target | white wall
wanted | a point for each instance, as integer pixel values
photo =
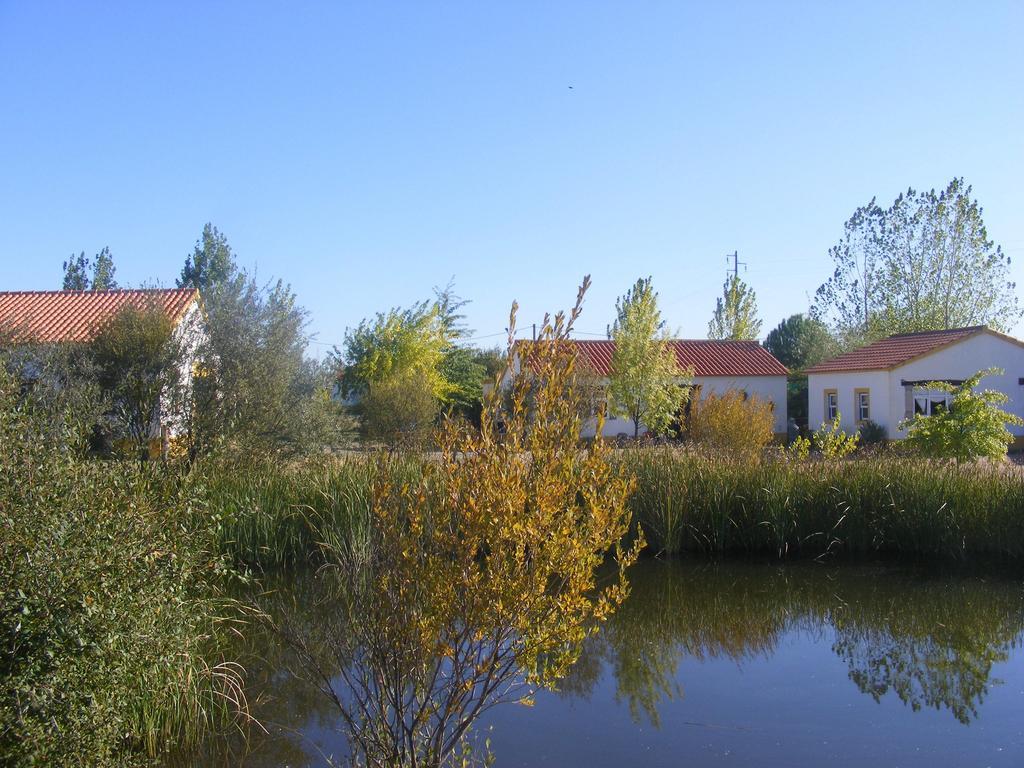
(888, 396)
(191, 333)
(877, 384)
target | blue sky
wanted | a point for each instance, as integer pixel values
(366, 152)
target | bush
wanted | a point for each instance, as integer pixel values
(400, 411)
(732, 424)
(111, 632)
(871, 433)
(974, 426)
(832, 442)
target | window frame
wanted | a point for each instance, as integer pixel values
(859, 407)
(831, 402)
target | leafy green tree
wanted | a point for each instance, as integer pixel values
(735, 315)
(799, 342)
(646, 384)
(399, 342)
(138, 361)
(256, 391)
(460, 366)
(925, 263)
(76, 273)
(211, 262)
(78, 268)
(103, 272)
(974, 426)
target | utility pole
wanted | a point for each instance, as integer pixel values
(735, 256)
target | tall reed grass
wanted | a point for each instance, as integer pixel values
(273, 516)
(692, 502)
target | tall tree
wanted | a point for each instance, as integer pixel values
(210, 263)
(103, 271)
(78, 268)
(646, 384)
(257, 390)
(459, 366)
(799, 342)
(76, 273)
(924, 263)
(735, 315)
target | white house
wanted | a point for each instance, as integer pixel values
(887, 381)
(75, 317)
(717, 366)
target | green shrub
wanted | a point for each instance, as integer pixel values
(871, 433)
(832, 442)
(974, 426)
(111, 629)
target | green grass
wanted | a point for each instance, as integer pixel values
(687, 502)
(272, 516)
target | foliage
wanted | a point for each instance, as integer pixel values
(481, 581)
(974, 426)
(735, 312)
(799, 342)
(211, 263)
(400, 342)
(925, 263)
(646, 384)
(732, 424)
(257, 391)
(400, 411)
(871, 433)
(796, 399)
(111, 630)
(690, 501)
(77, 269)
(138, 359)
(800, 448)
(832, 442)
(462, 368)
(58, 377)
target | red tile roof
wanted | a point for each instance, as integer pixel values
(706, 358)
(895, 350)
(51, 316)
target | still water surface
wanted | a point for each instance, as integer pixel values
(741, 664)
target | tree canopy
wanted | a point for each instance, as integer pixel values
(210, 263)
(646, 384)
(257, 389)
(735, 315)
(84, 274)
(799, 342)
(924, 263)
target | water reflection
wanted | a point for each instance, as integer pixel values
(926, 639)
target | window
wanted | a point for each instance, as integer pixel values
(862, 397)
(831, 404)
(930, 402)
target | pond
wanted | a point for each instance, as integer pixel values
(741, 664)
